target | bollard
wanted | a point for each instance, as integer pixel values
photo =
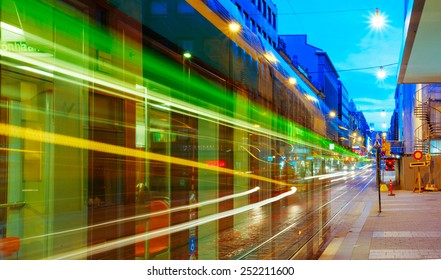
(390, 188)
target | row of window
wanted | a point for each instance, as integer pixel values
(250, 22)
(266, 11)
(160, 7)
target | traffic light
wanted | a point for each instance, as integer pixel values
(387, 148)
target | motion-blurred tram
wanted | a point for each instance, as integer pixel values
(113, 145)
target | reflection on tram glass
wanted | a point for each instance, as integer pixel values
(113, 146)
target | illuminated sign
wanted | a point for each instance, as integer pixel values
(219, 163)
(18, 47)
(419, 163)
(418, 155)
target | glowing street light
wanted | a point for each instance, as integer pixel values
(378, 20)
(234, 27)
(381, 74)
(292, 81)
(332, 114)
(187, 55)
(383, 113)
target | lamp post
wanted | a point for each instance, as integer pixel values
(234, 29)
(329, 118)
(377, 149)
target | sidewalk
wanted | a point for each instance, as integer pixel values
(408, 227)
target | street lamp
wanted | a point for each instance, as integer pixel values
(234, 27)
(332, 114)
(186, 67)
(328, 118)
(381, 74)
(187, 55)
(378, 21)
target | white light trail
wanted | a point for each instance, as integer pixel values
(326, 176)
(148, 215)
(109, 245)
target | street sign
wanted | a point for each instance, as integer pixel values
(192, 245)
(377, 144)
(419, 163)
(418, 155)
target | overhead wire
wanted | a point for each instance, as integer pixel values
(323, 12)
(354, 69)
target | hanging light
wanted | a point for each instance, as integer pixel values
(381, 74)
(378, 20)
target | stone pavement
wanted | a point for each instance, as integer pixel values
(408, 228)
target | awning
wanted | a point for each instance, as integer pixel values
(420, 58)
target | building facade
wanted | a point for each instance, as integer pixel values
(343, 115)
(316, 65)
(260, 17)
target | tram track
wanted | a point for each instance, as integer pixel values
(289, 240)
(334, 218)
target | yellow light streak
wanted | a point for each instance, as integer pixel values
(19, 150)
(70, 141)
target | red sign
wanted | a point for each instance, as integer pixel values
(220, 163)
(418, 155)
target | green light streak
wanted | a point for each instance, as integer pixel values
(163, 78)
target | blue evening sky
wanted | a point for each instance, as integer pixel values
(342, 29)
